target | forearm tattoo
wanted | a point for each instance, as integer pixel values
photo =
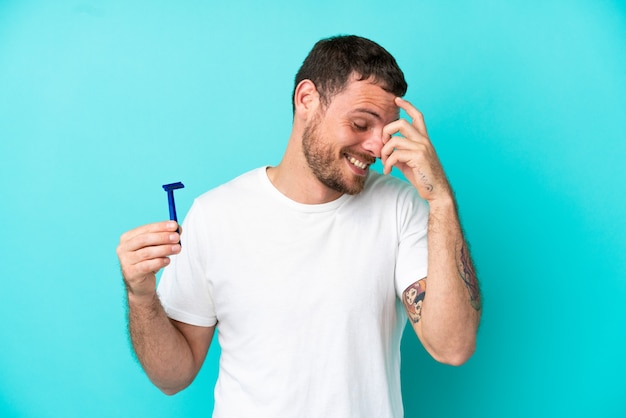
(413, 299)
(467, 273)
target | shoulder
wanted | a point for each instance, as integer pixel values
(391, 196)
(239, 187)
(382, 187)
(228, 199)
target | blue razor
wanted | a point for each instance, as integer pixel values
(169, 188)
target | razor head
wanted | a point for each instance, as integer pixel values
(173, 186)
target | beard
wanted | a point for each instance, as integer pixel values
(326, 164)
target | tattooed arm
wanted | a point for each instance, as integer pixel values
(446, 313)
(446, 316)
(413, 298)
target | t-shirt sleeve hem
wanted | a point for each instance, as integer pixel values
(188, 318)
(402, 285)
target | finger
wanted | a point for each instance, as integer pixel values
(393, 128)
(153, 227)
(402, 150)
(153, 239)
(147, 260)
(146, 267)
(405, 129)
(416, 116)
(129, 258)
(386, 152)
(388, 149)
(139, 247)
(147, 235)
(400, 143)
(154, 252)
(401, 156)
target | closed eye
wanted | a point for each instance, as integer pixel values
(360, 128)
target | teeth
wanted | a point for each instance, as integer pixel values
(358, 163)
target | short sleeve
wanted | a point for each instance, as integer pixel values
(412, 258)
(184, 289)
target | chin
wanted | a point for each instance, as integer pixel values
(356, 186)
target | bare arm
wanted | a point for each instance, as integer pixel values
(445, 308)
(446, 316)
(170, 352)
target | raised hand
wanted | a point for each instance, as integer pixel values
(413, 154)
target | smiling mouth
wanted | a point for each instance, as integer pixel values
(357, 163)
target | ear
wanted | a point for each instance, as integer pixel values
(306, 99)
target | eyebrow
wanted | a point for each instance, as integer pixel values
(373, 113)
(368, 111)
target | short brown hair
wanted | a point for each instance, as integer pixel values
(332, 62)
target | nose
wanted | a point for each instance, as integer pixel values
(373, 144)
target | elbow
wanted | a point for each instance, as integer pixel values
(171, 383)
(170, 390)
(457, 359)
(453, 348)
(454, 356)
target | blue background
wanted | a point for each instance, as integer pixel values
(102, 102)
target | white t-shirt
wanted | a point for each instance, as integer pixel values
(306, 298)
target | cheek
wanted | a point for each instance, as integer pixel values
(352, 137)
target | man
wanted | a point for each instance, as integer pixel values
(310, 268)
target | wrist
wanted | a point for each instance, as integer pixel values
(143, 299)
(443, 203)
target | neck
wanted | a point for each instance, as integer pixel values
(293, 178)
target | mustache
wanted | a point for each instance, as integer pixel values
(366, 158)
